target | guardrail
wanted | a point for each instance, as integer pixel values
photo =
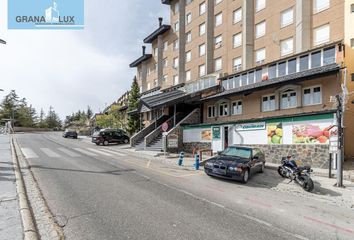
(154, 134)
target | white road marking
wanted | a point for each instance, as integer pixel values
(68, 152)
(113, 152)
(85, 152)
(99, 152)
(50, 153)
(29, 153)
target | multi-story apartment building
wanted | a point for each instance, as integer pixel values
(279, 65)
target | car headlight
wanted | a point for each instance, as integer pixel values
(231, 168)
(209, 164)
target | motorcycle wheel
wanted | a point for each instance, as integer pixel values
(281, 172)
(308, 184)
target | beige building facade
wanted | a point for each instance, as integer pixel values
(243, 45)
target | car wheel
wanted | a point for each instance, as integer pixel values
(105, 143)
(126, 141)
(97, 144)
(246, 176)
(262, 168)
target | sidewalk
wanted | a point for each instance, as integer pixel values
(10, 220)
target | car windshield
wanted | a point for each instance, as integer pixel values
(237, 152)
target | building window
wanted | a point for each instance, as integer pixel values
(201, 70)
(237, 15)
(218, 41)
(218, 19)
(304, 63)
(202, 8)
(320, 5)
(272, 71)
(165, 46)
(321, 35)
(251, 77)
(292, 66)
(287, 46)
(189, 37)
(175, 63)
(175, 44)
(165, 62)
(268, 103)
(288, 99)
(202, 49)
(188, 75)
(236, 108)
(218, 64)
(176, 8)
(352, 40)
(281, 69)
(237, 64)
(223, 109)
(165, 78)
(316, 59)
(287, 17)
(312, 96)
(352, 8)
(175, 80)
(237, 40)
(176, 26)
(260, 4)
(211, 111)
(201, 29)
(352, 75)
(244, 80)
(329, 55)
(217, 2)
(188, 18)
(259, 74)
(260, 29)
(260, 56)
(188, 1)
(188, 56)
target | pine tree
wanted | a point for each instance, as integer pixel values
(42, 123)
(133, 103)
(89, 112)
(52, 119)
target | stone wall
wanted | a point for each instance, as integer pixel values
(315, 155)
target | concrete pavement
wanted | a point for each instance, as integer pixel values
(111, 193)
(10, 219)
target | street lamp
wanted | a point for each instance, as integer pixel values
(2, 41)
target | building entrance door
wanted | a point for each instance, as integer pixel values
(226, 137)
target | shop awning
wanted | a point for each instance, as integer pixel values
(164, 99)
(295, 77)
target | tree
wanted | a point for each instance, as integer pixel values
(52, 119)
(133, 104)
(89, 112)
(42, 120)
(9, 106)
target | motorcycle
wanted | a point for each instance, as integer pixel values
(299, 174)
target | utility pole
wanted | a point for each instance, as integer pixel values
(340, 152)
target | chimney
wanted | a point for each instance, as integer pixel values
(160, 21)
(144, 50)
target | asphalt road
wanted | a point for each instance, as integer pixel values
(100, 192)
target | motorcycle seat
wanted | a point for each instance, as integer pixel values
(304, 168)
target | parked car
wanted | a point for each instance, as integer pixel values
(70, 133)
(236, 162)
(107, 136)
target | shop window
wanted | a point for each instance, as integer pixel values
(237, 108)
(211, 111)
(268, 103)
(291, 66)
(329, 55)
(223, 109)
(288, 99)
(315, 59)
(312, 96)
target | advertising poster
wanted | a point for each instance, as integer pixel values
(311, 134)
(216, 132)
(275, 133)
(206, 135)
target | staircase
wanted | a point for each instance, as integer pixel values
(156, 144)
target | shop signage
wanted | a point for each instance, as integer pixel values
(216, 132)
(172, 141)
(250, 126)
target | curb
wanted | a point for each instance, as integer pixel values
(29, 226)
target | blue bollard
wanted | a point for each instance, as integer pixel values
(196, 162)
(180, 160)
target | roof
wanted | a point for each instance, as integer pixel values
(163, 99)
(167, 2)
(140, 60)
(161, 30)
(299, 76)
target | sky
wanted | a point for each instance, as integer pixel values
(71, 69)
